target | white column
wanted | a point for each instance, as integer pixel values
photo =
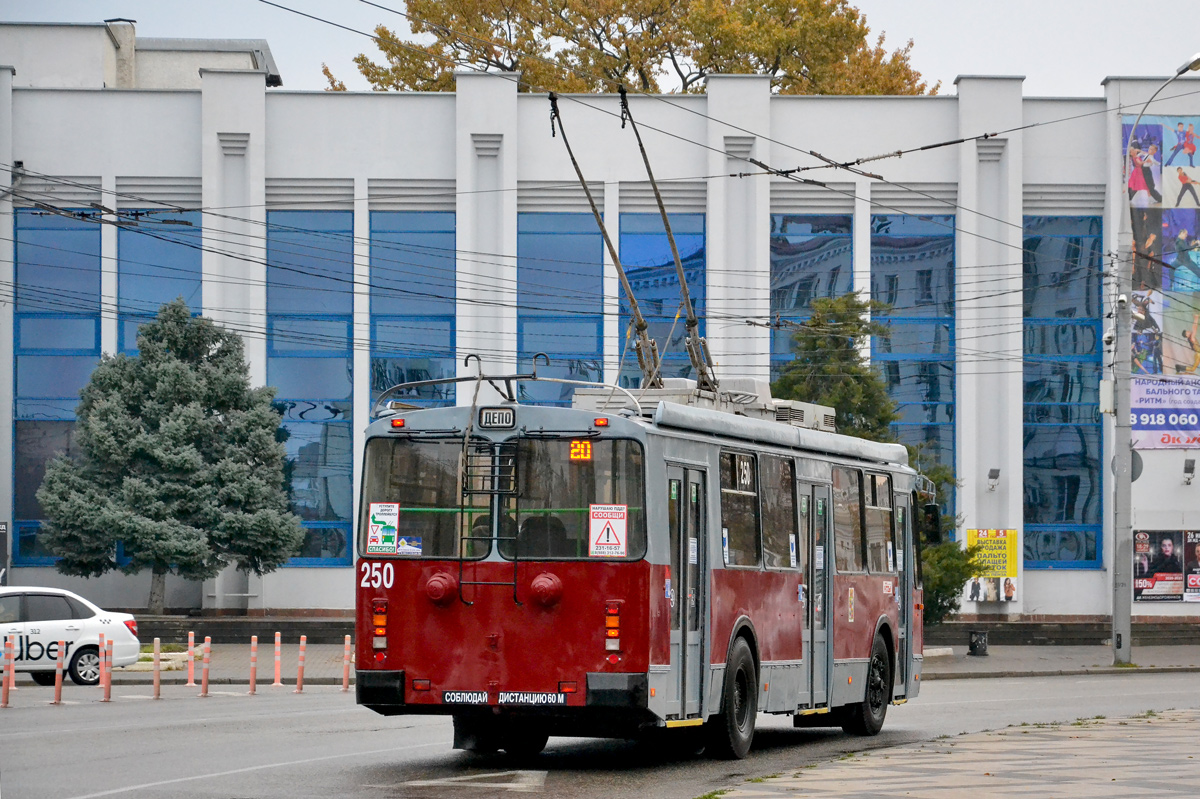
(487, 226)
(362, 333)
(989, 333)
(614, 334)
(738, 226)
(861, 249)
(108, 268)
(7, 228)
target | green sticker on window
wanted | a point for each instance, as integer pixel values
(820, 507)
(695, 492)
(803, 506)
(674, 489)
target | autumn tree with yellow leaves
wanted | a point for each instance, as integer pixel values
(806, 46)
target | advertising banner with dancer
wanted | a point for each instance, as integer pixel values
(1163, 186)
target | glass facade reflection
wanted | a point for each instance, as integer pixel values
(912, 271)
(310, 300)
(811, 256)
(56, 345)
(158, 261)
(560, 301)
(646, 255)
(413, 263)
(1063, 265)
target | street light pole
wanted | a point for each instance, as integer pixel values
(1122, 605)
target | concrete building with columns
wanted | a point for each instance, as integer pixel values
(358, 240)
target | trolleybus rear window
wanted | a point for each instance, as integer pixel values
(578, 499)
(413, 504)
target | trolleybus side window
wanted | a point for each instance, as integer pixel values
(847, 519)
(739, 510)
(578, 499)
(780, 539)
(413, 501)
(881, 550)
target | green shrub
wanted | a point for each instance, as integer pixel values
(946, 568)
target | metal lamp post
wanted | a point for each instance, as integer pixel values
(1122, 607)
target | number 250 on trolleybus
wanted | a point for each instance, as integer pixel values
(630, 564)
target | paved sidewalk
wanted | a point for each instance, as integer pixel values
(1150, 755)
(1039, 661)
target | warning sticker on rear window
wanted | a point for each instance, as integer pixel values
(381, 531)
(607, 531)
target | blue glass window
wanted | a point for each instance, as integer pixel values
(912, 272)
(310, 292)
(560, 301)
(811, 257)
(56, 344)
(646, 256)
(1063, 494)
(158, 261)
(413, 296)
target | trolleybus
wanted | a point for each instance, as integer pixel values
(668, 559)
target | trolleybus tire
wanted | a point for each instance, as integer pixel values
(42, 677)
(866, 717)
(85, 666)
(524, 742)
(476, 734)
(731, 731)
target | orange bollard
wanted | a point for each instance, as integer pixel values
(108, 647)
(300, 668)
(253, 664)
(277, 644)
(58, 674)
(100, 665)
(8, 670)
(204, 670)
(157, 666)
(346, 667)
(191, 659)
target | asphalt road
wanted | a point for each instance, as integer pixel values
(320, 743)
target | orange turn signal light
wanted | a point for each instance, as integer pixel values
(397, 423)
(612, 632)
(569, 687)
(600, 422)
(612, 621)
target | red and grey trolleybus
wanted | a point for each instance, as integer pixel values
(668, 560)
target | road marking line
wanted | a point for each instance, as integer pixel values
(248, 769)
(523, 782)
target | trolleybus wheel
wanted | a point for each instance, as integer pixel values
(521, 742)
(731, 732)
(476, 734)
(866, 717)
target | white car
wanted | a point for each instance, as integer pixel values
(38, 618)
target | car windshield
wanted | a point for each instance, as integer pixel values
(578, 499)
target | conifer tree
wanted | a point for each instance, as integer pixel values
(179, 467)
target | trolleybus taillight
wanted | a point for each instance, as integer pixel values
(379, 626)
(612, 626)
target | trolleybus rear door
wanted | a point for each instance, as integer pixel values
(819, 590)
(904, 598)
(686, 512)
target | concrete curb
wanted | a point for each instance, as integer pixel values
(984, 675)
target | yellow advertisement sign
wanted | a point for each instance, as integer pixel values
(997, 551)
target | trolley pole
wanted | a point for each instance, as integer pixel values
(1122, 606)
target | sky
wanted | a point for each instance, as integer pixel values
(1062, 47)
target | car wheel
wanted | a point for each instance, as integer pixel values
(731, 732)
(42, 677)
(866, 717)
(85, 666)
